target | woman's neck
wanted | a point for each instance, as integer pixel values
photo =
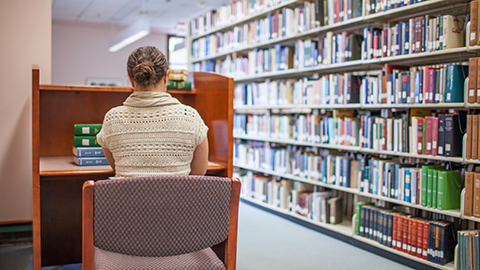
(160, 87)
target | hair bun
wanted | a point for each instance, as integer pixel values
(143, 73)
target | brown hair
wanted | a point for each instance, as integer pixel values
(147, 66)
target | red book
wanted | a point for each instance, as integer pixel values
(400, 231)
(394, 231)
(426, 84)
(420, 238)
(375, 44)
(426, 228)
(384, 134)
(338, 11)
(431, 85)
(414, 233)
(409, 240)
(405, 234)
(385, 42)
(434, 135)
(420, 135)
(428, 134)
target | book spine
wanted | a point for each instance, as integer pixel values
(474, 134)
(87, 129)
(90, 161)
(476, 195)
(428, 135)
(88, 141)
(469, 136)
(88, 152)
(472, 82)
(473, 23)
(420, 136)
(475, 76)
(434, 136)
(468, 199)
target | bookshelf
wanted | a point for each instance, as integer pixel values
(57, 182)
(240, 50)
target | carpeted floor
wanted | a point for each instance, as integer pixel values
(266, 241)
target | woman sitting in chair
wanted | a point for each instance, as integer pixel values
(153, 133)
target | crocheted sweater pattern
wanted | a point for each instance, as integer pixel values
(158, 140)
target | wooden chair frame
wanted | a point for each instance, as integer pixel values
(226, 251)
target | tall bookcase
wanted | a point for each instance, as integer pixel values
(203, 53)
(57, 181)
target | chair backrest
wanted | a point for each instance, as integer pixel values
(161, 215)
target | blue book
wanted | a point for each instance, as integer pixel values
(455, 78)
(88, 151)
(331, 130)
(346, 172)
(278, 53)
(397, 38)
(407, 185)
(417, 88)
(90, 161)
(406, 38)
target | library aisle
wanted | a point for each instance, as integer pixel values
(266, 241)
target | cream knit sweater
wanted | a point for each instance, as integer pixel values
(152, 134)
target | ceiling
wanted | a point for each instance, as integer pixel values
(163, 14)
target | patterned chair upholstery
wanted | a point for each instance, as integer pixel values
(160, 222)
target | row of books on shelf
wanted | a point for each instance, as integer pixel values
(422, 34)
(321, 206)
(86, 150)
(416, 132)
(228, 14)
(422, 234)
(394, 85)
(468, 250)
(436, 187)
(304, 16)
(432, 240)
(282, 23)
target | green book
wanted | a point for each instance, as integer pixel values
(85, 141)
(429, 186)
(449, 190)
(477, 248)
(434, 188)
(424, 185)
(179, 85)
(87, 129)
(358, 209)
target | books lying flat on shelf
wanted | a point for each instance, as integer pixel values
(90, 161)
(87, 129)
(179, 85)
(85, 141)
(88, 151)
(177, 77)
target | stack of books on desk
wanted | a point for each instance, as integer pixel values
(178, 80)
(86, 150)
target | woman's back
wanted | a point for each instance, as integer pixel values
(153, 133)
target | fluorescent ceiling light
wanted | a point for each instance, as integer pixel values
(133, 33)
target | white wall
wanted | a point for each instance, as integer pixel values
(25, 31)
(80, 51)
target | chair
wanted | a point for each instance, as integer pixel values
(160, 222)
